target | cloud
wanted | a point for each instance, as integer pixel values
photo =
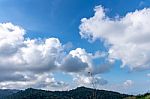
(13, 77)
(81, 54)
(35, 56)
(102, 68)
(73, 64)
(47, 81)
(127, 38)
(18, 53)
(128, 83)
(11, 37)
(21, 59)
(41, 55)
(83, 80)
(44, 81)
(26, 62)
(89, 59)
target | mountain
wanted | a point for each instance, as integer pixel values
(7, 92)
(78, 93)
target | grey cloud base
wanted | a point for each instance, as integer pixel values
(26, 62)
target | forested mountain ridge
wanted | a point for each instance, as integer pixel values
(7, 92)
(78, 93)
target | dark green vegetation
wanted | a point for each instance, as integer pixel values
(145, 96)
(7, 92)
(78, 93)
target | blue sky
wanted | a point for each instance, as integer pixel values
(62, 18)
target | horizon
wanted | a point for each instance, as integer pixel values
(59, 45)
(73, 89)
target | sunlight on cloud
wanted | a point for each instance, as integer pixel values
(32, 62)
(128, 37)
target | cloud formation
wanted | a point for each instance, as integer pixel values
(128, 38)
(128, 83)
(73, 64)
(44, 81)
(26, 62)
(11, 37)
(93, 81)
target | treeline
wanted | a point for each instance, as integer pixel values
(78, 93)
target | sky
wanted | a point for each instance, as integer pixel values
(64, 44)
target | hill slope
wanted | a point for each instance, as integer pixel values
(145, 96)
(78, 93)
(7, 92)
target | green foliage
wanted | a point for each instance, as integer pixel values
(78, 93)
(145, 96)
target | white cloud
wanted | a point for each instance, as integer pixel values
(11, 37)
(128, 83)
(93, 81)
(82, 54)
(44, 81)
(41, 55)
(21, 59)
(88, 58)
(26, 62)
(128, 37)
(21, 54)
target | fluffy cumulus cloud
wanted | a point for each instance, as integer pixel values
(26, 62)
(88, 59)
(44, 81)
(41, 55)
(11, 37)
(84, 61)
(128, 38)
